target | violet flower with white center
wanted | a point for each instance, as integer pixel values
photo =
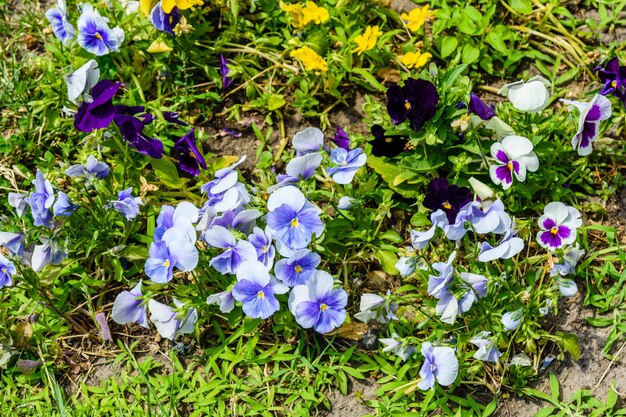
(438, 284)
(440, 365)
(591, 114)
(19, 201)
(61, 27)
(298, 268)
(7, 270)
(13, 242)
(558, 226)
(80, 82)
(348, 164)
(375, 307)
(175, 249)
(235, 252)
(487, 349)
(308, 140)
(298, 169)
(255, 288)
(317, 304)
(94, 33)
(262, 242)
(170, 323)
(292, 219)
(127, 308)
(127, 204)
(63, 206)
(224, 300)
(514, 156)
(530, 96)
(509, 246)
(397, 346)
(512, 319)
(184, 216)
(569, 261)
(94, 169)
(41, 200)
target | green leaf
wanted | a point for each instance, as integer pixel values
(522, 6)
(545, 412)
(387, 260)
(570, 342)
(448, 46)
(554, 387)
(470, 54)
(167, 172)
(275, 102)
(365, 73)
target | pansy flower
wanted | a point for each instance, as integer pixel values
(558, 226)
(63, 206)
(509, 246)
(190, 159)
(256, 289)
(93, 168)
(165, 22)
(317, 304)
(132, 127)
(591, 114)
(530, 96)
(98, 113)
(514, 156)
(175, 249)
(127, 204)
(225, 192)
(224, 300)
(127, 308)
(41, 200)
(61, 27)
(13, 242)
(397, 346)
(375, 307)
(298, 169)
(512, 319)
(487, 349)
(347, 164)
(94, 33)
(224, 70)
(367, 40)
(308, 140)
(416, 100)
(341, 139)
(236, 252)
(613, 75)
(170, 323)
(440, 365)
(19, 201)
(7, 270)
(262, 242)
(479, 108)
(440, 195)
(80, 82)
(298, 268)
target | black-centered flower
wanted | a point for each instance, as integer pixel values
(416, 100)
(613, 75)
(449, 198)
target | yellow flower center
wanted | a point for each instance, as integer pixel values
(166, 263)
(260, 294)
(265, 248)
(509, 166)
(407, 105)
(614, 84)
(446, 205)
(294, 223)
(4, 270)
(298, 268)
(98, 36)
(554, 231)
(323, 307)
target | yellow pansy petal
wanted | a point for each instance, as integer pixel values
(186, 4)
(158, 47)
(367, 40)
(415, 59)
(145, 6)
(310, 59)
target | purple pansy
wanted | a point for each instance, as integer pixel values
(19, 201)
(183, 216)
(127, 204)
(479, 108)
(292, 219)
(165, 22)
(440, 365)
(348, 163)
(558, 226)
(256, 289)
(569, 261)
(49, 252)
(416, 100)
(613, 75)
(237, 219)
(438, 284)
(514, 156)
(170, 323)
(94, 33)
(487, 349)
(224, 300)
(61, 27)
(13, 242)
(127, 308)
(93, 169)
(225, 192)
(509, 246)
(236, 252)
(298, 169)
(63, 206)
(41, 200)
(262, 242)
(308, 140)
(591, 114)
(397, 346)
(176, 249)
(7, 270)
(98, 113)
(317, 304)
(440, 195)
(341, 139)
(132, 127)
(190, 159)
(298, 268)
(224, 70)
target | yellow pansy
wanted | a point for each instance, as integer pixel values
(313, 13)
(145, 7)
(168, 5)
(415, 18)
(415, 59)
(296, 12)
(367, 40)
(158, 47)
(310, 59)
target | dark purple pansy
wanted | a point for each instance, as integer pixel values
(416, 100)
(385, 144)
(478, 107)
(190, 159)
(139, 111)
(165, 22)
(132, 132)
(449, 198)
(173, 117)
(341, 139)
(99, 113)
(613, 75)
(226, 81)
